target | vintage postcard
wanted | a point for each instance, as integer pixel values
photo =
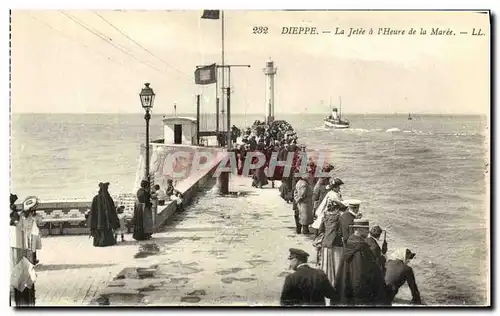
(250, 158)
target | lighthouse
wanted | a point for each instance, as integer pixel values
(269, 71)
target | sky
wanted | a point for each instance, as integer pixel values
(59, 66)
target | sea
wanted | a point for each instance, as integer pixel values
(425, 180)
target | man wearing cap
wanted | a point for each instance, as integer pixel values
(306, 286)
(347, 218)
(360, 281)
(372, 241)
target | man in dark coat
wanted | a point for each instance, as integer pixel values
(347, 219)
(306, 286)
(360, 280)
(372, 241)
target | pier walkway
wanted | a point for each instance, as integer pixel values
(222, 250)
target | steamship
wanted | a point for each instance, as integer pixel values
(334, 120)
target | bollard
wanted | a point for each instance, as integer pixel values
(223, 183)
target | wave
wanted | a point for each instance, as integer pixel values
(463, 134)
(361, 130)
(319, 128)
(394, 129)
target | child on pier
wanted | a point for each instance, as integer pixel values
(121, 217)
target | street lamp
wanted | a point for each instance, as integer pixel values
(147, 98)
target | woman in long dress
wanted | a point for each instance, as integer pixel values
(333, 197)
(331, 246)
(103, 218)
(143, 215)
(25, 240)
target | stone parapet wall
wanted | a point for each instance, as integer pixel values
(67, 217)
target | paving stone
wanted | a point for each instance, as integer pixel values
(118, 291)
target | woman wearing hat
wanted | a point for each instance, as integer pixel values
(103, 218)
(33, 241)
(398, 272)
(331, 246)
(332, 196)
(25, 240)
(143, 215)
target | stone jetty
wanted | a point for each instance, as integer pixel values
(223, 250)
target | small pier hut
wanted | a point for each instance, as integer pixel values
(180, 130)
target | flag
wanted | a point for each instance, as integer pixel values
(211, 14)
(206, 75)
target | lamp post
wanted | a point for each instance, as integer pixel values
(147, 98)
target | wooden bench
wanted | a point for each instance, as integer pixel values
(61, 221)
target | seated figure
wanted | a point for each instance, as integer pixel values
(174, 194)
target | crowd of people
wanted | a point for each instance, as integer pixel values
(280, 138)
(352, 266)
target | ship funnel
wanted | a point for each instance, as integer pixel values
(335, 114)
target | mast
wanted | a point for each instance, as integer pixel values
(340, 108)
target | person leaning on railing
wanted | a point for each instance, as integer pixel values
(398, 272)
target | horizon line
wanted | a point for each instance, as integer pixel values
(245, 114)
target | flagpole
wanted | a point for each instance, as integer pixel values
(222, 13)
(222, 99)
(217, 103)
